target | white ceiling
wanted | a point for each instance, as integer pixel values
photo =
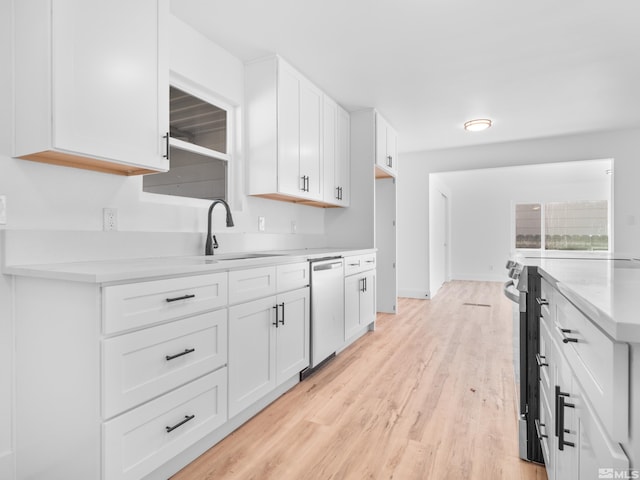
(538, 68)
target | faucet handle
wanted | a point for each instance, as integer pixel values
(215, 242)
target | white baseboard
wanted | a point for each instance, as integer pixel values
(7, 466)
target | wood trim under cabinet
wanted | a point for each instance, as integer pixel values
(85, 163)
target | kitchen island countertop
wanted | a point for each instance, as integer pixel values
(607, 291)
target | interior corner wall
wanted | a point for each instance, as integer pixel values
(413, 192)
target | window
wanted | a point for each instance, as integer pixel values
(199, 139)
(580, 225)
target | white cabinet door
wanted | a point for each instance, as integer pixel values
(368, 299)
(292, 334)
(343, 157)
(386, 146)
(310, 139)
(565, 423)
(102, 93)
(352, 286)
(329, 150)
(252, 369)
(289, 176)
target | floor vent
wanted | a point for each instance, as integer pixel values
(477, 304)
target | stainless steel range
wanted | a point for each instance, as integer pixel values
(523, 288)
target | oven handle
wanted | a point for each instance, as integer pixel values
(514, 297)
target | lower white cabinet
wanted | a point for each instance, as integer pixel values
(141, 440)
(359, 294)
(268, 344)
(577, 425)
(94, 395)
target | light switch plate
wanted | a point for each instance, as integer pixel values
(261, 224)
(3, 209)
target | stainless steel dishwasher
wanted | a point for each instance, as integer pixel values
(327, 309)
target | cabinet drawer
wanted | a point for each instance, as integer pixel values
(145, 364)
(547, 302)
(137, 305)
(292, 276)
(138, 442)
(250, 284)
(359, 263)
(545, 432)
(600, 365)
(546, 359)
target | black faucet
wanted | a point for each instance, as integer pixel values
(211, 241)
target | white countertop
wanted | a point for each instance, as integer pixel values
(607, 291)
(127, 270)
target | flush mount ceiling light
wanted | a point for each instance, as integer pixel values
(477, 125)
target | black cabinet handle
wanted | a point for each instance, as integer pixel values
(175, 299)
(275, 307)
(179, 424)
(167, 154)
(539, 360)
(542, 301)
(282, 319)
(561, 404)
(539, 429)
(186, 352)
(566, 339)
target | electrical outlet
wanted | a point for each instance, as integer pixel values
(294, 226)
(109, 219)
(3, 209)
(261, 224)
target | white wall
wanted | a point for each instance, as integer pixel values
(413, 193)
(482, 202)
(6, 343)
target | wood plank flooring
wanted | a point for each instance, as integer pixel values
(428, 395)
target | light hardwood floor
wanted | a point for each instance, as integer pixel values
(428, 395)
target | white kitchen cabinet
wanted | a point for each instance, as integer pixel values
(583, 402)
(252, 348)
(94, 394)
(386, 148)
(359, 294)
(268, 344)
(284, 120)
(292, 334)
(91, 84)
(335, 153)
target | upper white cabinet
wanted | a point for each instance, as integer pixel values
(335, 153)
(297, 138)
(386, 148)
(284, 115)
(91, 84)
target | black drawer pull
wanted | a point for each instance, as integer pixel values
(276, 322)
(539, 361)
(539, 429)
(186, 419)
(184, 297)
(282, 320)
(187, 351)
(542, 301)
(566, 339)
